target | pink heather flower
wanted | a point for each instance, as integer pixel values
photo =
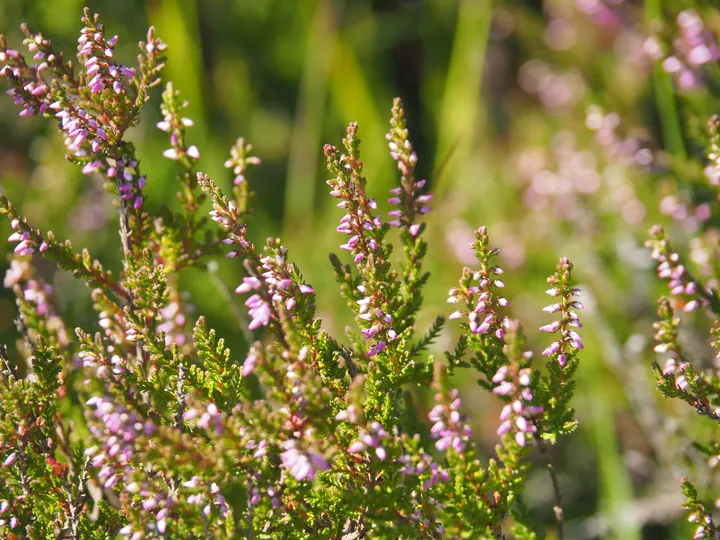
(249, 284)
(357, 446)
(10, 459)
(192, 483)
(260, 313)
(193, 152)
(370, 438)
(500, 374)
(504, 388)
(133, 487)
(407, 196)
(552, 349)
(261, 449)
(249, 364)
(552, 327)
(504, 427)
(694, 47)
(350, 414)
(302, 465)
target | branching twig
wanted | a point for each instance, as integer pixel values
(557, 507)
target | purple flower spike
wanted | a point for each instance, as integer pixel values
(448, 426)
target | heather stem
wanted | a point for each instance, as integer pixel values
(24, 481)
(126, 244)
(557, 507)
(180, 395)
(76, 504)
(125, 230)
(10, 369)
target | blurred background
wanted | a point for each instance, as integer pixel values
(544, 120)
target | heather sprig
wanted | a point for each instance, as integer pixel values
(30, 240)
(699, 512)
(537, 405)
(680, 281)
(240, 160)
(383, 300)
(682, 372)
(377, 293)
(95, 106)
(556, 391)
(679, 378)
(412, 204)
(479, 294)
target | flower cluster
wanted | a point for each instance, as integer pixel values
(119, 431)
(666, 336)
(408, 195)
(175, 124)
(97, 53)
(207, 419)
(670, 268)
(126, 173)
(35, 300)
(517, 416)
(303, 464)
(359, 223)
(478, 291)
(276, 287)
(240, 159)
(173, 320)
(712, 170)
(370, 439)
(24, 241)
(28, 87)
(425, 467)
(631, 150)
(256, 493)
(694, 48)
(366, 231)
(18, 271)
(448, 428)
(568, 340)
(95, 106)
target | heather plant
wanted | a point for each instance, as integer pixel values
(687, 327)
(686, 373)
(146, 424)
(670, 167)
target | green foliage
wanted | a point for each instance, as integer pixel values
(217, 377)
